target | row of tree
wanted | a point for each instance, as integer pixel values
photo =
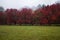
(45, 15)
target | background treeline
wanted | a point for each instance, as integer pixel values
(46, 15)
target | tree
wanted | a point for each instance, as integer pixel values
(1, 9)
(25, 16)
(11, 15)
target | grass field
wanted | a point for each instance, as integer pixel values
(29, 33)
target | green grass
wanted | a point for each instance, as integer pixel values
(29, 33)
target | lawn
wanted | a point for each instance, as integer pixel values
(29, 32)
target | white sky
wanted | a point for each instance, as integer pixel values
(21, 3)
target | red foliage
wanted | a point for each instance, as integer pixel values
(46, 15)
(44, 21)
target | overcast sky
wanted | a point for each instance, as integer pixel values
(21, 3)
